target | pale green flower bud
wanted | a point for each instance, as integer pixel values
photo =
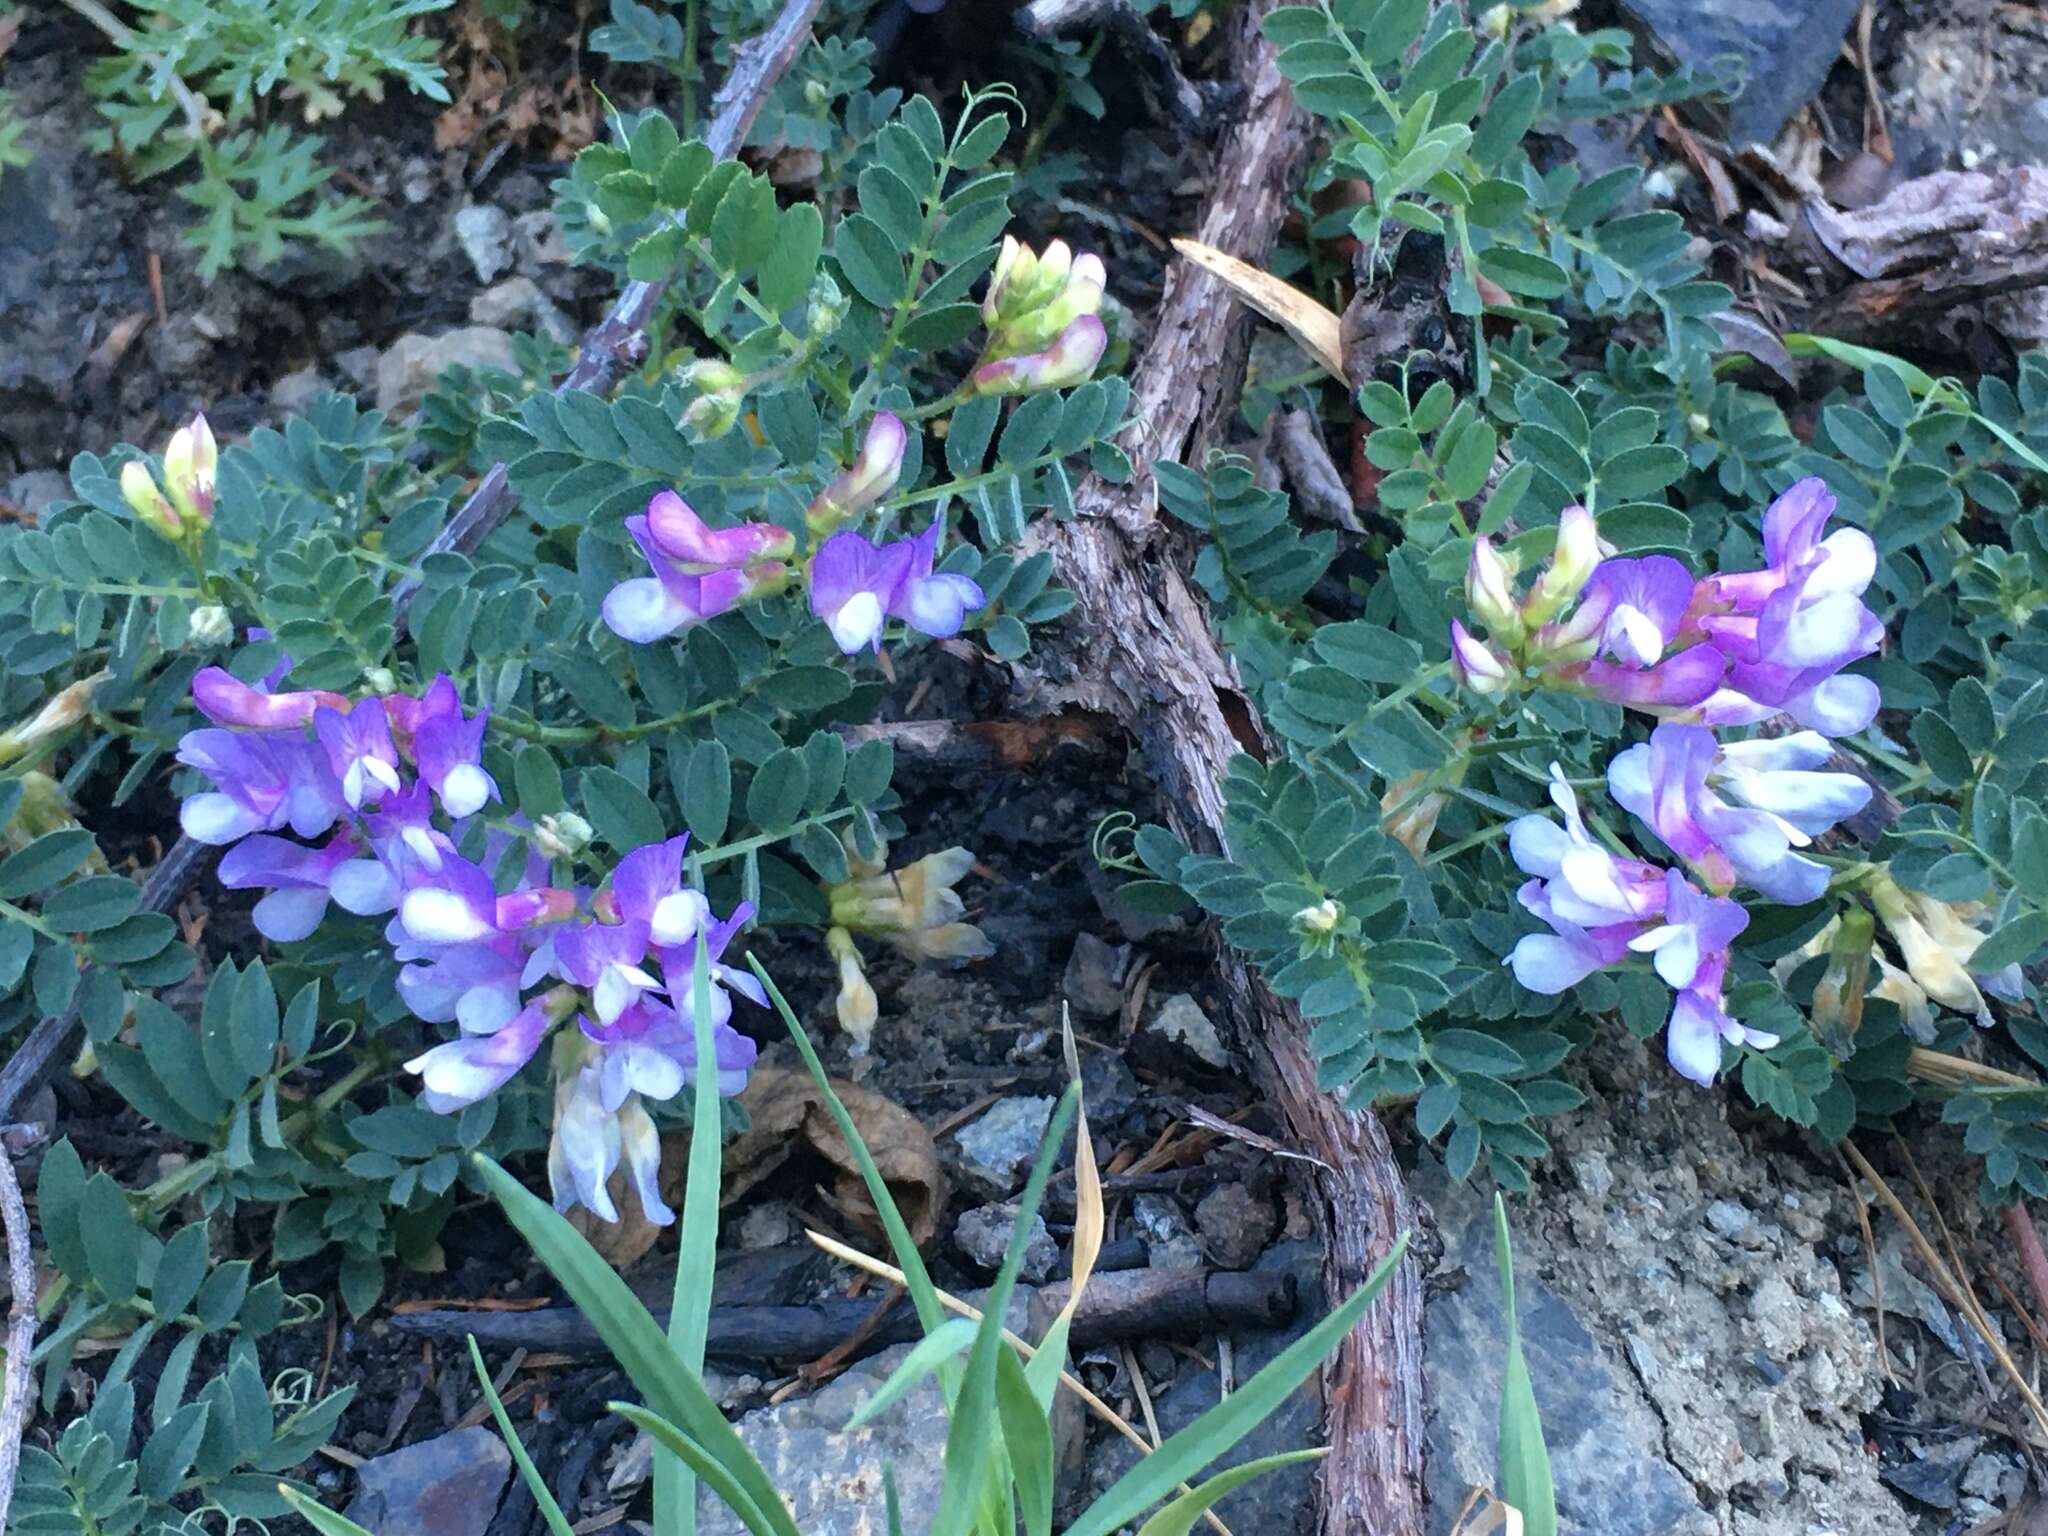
(211, 625)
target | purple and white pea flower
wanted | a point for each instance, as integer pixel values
(699, 572)
(1700, 1023)
(466, 1071)
(871, 476)
(297, 876)
(226, 700)
(359, 750)
(1696, 928)
(446, 746)
(607, 959)
(1672, 783)
(857, 586)
(262, 783)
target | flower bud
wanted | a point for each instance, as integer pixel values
(1070, 360)
(1489, 593)
(856, 1003)
(1321, 918)
(562, 836)
(211, 625)
(69, 707)
(827, 308)
(709, 417)
(1496, 20)
(872, 476)
(139, 490)
(1571, 564)
(1478, 666)
(189, 463)
(382, 680)
(1940, 974)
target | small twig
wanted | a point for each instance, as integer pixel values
(1884, 1357)
(2019, 1226)
(189, 101)
(21, 1331)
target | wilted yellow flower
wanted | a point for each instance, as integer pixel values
(69, 707)
(856, 1003)
(1930, 962)
(914, 908)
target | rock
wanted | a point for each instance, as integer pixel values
(1235, 1225)
(1280, 1502)
(1605, 1442)
(1932, 1478)
(416, 180)
(1786, 47)
(983, 1234)
(1094, 981)
(538, 241)
(769, 1225)
(485, 234)
(996, 1148)
(1728, 1218)
(1181, 1019)
(1108, 1087)
(358, 365)
(295, 393)
(1166, 1232)
(449, 1485)
(36, 492)
(517, 304)
(410, 365)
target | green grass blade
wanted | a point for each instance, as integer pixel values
(549, 1509)
(924, 1358)
(641, 1349)
(700, 1463)
(1524, 1459)
(318, 1515)
(916, 1279)
(1027, 1437)
(1179, 1517)
(890, 1505)
(689, 1318)
(1185, 1454)
(975, 1428)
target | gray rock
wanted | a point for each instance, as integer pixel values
(485, 234)
(1728, 1217)
(1166, 1232)
(539, 243)
(449, 1485)
(37, 491)
(983, 1234)
(1235, 1225)
(1108, 1087)
(1605, 1442)
(1279, 1503)
(1786, 48)
(517, 304)
(1181, 1019)
(358, 365)
(769, 1225)
(1094, 981)
(996, 1148)
(410, 365)
(295, 392)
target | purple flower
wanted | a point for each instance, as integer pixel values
(854, 584)
(477, 987)
(1700, 1022)
(1630, 611)
(648, 888)
(1593, 901)
(606, 958)
(699, 572)
(447, 747)
(1478, 665)
(226, 700)
(1778, 806)
(296, 876)
(262, 783)
(589, 1144)
(457, 904)
(1695, 929)
(932, 603)
(359, 750)
(1790, 628)
(651, 1050)
(465, 1071)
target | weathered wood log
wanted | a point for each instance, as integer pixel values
(610, 348)
(1117, 1308)
(1140, 649)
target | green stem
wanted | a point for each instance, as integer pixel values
(689, 71)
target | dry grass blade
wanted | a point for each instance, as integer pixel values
(1884, 1354)
(1091, 1221)
(1196, 1115)
(1947, 1280)
(1311, 323)
(1485, 1515)
(954, 1304)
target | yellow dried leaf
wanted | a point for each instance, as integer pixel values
(1312, 324)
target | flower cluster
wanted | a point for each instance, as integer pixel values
(1736, 648)
(1728, 650)
(1044, 331)
(915, 910)
(382, 796)
(183, 506)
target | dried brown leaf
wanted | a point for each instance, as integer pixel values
(1313, 325)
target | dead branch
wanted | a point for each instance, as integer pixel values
(21, 1330)
(988, 746)
(1172, 95)
(611, 347)
(1143, 652)
(1136, 1304)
